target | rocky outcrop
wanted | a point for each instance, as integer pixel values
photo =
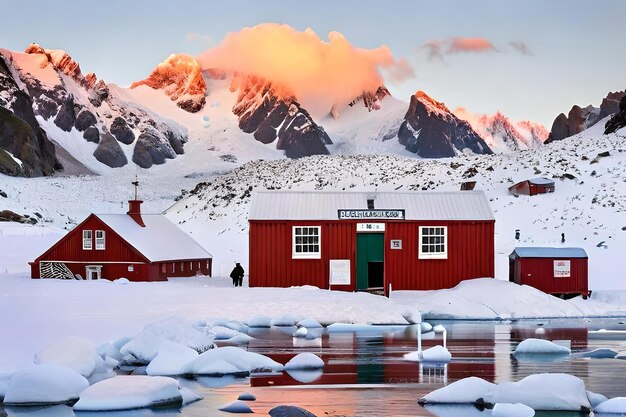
(272, 114)
(10, 216)
(92, 134)
(122, 132)
(152, 149)
(371, 99)
(180, 77)
(109, 152)
(85, 119)
(619, 120)
(66, 116)
(611, 104)
(430, 130)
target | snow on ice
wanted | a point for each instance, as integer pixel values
(304, 361)
(540, 346)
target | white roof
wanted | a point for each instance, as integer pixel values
(541, 181)
(547, 252)
(324, 205)
(160, 240)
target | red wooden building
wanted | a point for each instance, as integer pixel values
(551, 270)
(364, 241)
(540, 185)
(133, 245)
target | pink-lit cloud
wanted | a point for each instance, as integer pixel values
(438, 48)
(520, 47)
(320, 73)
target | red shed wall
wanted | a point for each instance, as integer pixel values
(470, 254)
(539, 273)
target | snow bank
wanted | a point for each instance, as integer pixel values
(543, 392)
(236, 407)
(171, 359)
(512, 410)
(595, 399)
(45, 384)
(301, 332)
(286, 320)
(615, 405)
(72, 352)
(463, 391)
(231, 360)
(305, 360)
(130, 392)
(260, 321)
(434, 354)
(540, 346)
(309, 324)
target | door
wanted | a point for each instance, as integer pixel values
(370, 253)
(93, 272)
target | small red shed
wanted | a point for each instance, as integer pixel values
(559, 271)
(378, 241)
(540, 185)
(135, 246)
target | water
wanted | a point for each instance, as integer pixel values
(365, 374)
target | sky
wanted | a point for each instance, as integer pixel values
(531, 59)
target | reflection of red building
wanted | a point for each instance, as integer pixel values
(577, 336)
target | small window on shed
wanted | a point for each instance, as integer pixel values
(433, 242)
(87, 239)
(163, 268)
(306, 242)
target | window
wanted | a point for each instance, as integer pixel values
(100, 240)
(433, 242)
(306, 242)
(173, 267)
(163, 268)
(86, 239)
(190, 266)
(182, 265)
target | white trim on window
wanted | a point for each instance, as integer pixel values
(87, 239)
(100, 240)
(306, 242)
(433, 242)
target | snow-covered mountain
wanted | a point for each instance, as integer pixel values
(92, 121)
(431, 130)
(581, 118)
(502, 134)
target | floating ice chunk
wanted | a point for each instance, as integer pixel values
(305, 360)
(109, 350)
(72, 352)
(231, 360)
(301, 332)
(171, 359)
(463, 391)
(240, 339)
(512, 410)
(434, 354)
(222, 333)
(236, 407)
(246, 396)
(600, 353)
(45, 384)
(540, 346)
(128, 392)
(547, 392)
(285, 320)
(595, 398)
(189, 396)
(260, 321)
(309, 324)
(426, 327)
(615, 405)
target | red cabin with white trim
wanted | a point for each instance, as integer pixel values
(135, 246)
(370, 240)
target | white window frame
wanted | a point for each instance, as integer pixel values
(87, 239)
(424, 232)
(306, 255)
(100, 241)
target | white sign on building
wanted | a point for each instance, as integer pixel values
(370, 227)
(339, 272)
(562, 269)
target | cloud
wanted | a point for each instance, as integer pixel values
(520, 47)
(319, 73)
(438, 48)
(197, 37)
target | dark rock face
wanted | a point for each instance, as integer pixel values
(92, 134)
(121, 131)
(176, 142)
(431, 131)
(611, 104)
(619, 120)
(85, 119)
(66, 117)
(290, 411)
(271, 115)
(10, 216)
(152, 149)
(109, 152)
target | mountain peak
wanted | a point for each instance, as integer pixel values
(61, 61)
(180, 77)
(431, 104)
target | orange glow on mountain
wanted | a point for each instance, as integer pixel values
(319, 73)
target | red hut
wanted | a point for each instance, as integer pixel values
(559, 271)
(370, 240)
(133, 245)
(534, 186)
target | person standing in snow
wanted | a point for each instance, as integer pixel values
(237, 275)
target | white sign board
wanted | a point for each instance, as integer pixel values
(339, 272)
(562, 269)
(396, 244)
(370, 227)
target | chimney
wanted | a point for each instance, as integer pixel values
(134, 211)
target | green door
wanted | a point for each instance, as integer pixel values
(370, 254)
